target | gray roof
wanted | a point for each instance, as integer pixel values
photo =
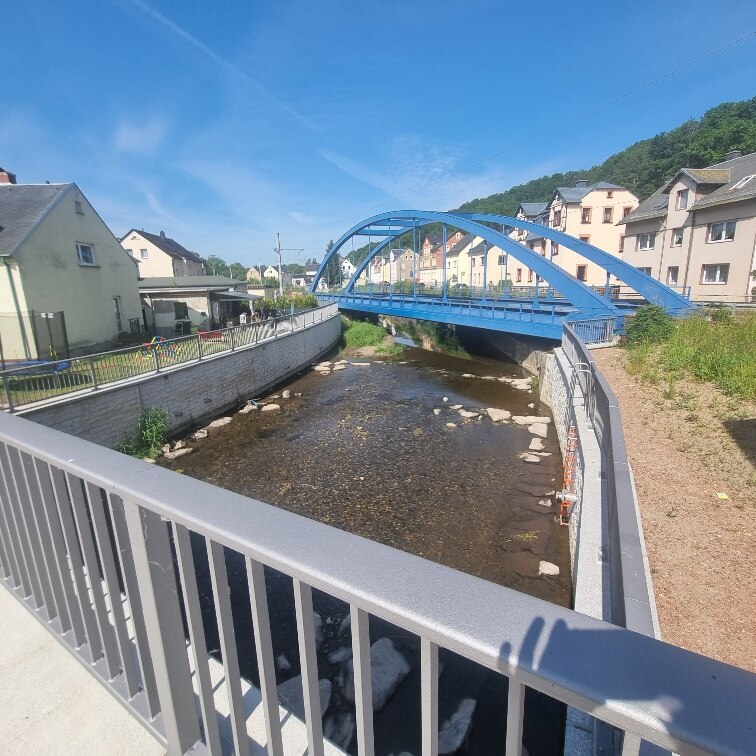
(738, 169)
(654, 207)
(170, 246)
(189, 282)
(22, 207)
(533, 209)
(576, 193)
(460, 245)
(712, 176)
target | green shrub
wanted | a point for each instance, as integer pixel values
(150, 436)
(360, 333)
(651, 324)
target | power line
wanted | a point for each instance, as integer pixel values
(534, 137)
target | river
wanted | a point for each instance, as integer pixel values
(368, 449)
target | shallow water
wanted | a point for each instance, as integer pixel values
(361, 449)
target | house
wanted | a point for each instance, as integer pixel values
(206, 302)
(698, 231)
(160, 256)
(347, 268)
(586, 211)
(430, 263)
(272, 272)
(254, 273)
(66, 285)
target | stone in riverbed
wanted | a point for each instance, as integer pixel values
(469, 375)
(199, 434)
(536, 445)
(388, 669)
(525, 457)
(530, 419)
(360, 364)
(178, 453)
(446, 398)
(247, 408)
(467, 414)
(220, 422)
(454, 731)
(547, 568)
(270, 407)
(338, 367)
(436, 411)
(324, 364)
(539, 429)
(498, 415)
(451, 425)
(292, 696)
(282, 663)
(456, 406)
(544, 502)
(179, 445)
(286, 394)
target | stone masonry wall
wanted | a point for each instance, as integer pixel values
(191, 393)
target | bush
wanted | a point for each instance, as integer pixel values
(361, 334)
(650, 325)
(151, 434)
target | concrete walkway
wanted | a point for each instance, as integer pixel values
(50, 704)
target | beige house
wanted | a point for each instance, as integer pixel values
(698, 231)
(589, 212)
(160, 256)
(272, 272)
(66, 284)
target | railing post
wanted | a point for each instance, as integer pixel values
(199, 347)
(156, 359)
(6, 389)
(93, 373)
(233, 341)
(153, 563)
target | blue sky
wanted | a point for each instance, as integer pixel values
(224, 123)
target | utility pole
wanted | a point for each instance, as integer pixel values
(280, 271)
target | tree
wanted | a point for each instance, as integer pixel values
(295, 269)
(217, 266)
(238, 271)
(332, 272)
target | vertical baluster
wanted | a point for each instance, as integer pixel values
(515, 712)
(128, 572)
(363, 691)
(631, 744)
(227, 637)
(197, 636)
(10, 561)
(264, 649)
(153, 563)
(429, 696)
(102, 534)
(77, 565)
(308, 661)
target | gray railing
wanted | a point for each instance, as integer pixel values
(594, 330)
(35, 383)
(86, 540)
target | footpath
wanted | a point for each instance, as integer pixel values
(696, 490)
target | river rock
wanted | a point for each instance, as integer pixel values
(456, 406)
(489, 377)
(547, 568)
(291, 696)
(544, 502)
(323, 370)
(270, 407)
(165, 448)
(178, 453)
(324, 364)
(498, 415)
(360, 364)
(451, 425)
(467, 414)
(530, 419)
(199, 434)
(388, 669)
(282, 663)
(539, 429)
(339, 367)
(446, 398)
(286, 394)
(525, 457)
(436, 411)
(339, 729)
(454, 731)
(523, 384)
(469, 375)
(340, 655)
(179, 445)
(536, 444)
(531, 406)
(220, 422)
(247, 408)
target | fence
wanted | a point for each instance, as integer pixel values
(90, 541)
(594, 330)
(33, 383)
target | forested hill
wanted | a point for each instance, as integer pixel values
(645, 166)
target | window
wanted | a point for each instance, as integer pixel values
(682, 199)
(557, 218)
(672, 273)
(77, 206)
(131, 252)
(582, 272)
(519, 275)
(144, 254)
(677, 237)
(622, 244)
(585, 215)
(530, 276)
(586, 239)
(85, 253)
(608, 214)
(626, 211)
(722, 231)
(743, 182)
(715, 274)
(501, 259)
(554, 249)
(609, 194)
(647, 271)
(180, 310)
(646, 241)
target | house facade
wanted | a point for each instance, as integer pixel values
(272, 272)
(698, 231)
(160, 256)
(66, 285)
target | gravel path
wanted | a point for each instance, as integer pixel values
(683, 450)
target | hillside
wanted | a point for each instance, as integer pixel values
(644, 166)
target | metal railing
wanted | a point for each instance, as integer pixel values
(595, 330)
(82, 526)
(29, 384)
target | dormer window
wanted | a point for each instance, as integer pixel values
(682, 200)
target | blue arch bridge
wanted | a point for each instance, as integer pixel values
(538, 310)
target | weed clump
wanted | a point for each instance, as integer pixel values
(650, 325)
(150, 436)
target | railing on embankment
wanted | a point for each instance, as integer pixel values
(31, 384)
(79, 521)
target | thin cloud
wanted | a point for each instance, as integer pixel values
(220, 61)
(139, 138)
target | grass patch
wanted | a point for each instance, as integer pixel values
(390, 350)
(357, 333)
(151, 434)
(713, 350)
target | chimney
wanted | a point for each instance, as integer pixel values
(162, 234)
(733, 155)
(581, 183)
(6, 177)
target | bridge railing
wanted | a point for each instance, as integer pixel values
(37, 382)
(102, 549)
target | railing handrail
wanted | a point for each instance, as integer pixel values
(675, 698)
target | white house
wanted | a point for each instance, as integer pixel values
(160, 256)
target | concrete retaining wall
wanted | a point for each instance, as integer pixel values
(191, 393)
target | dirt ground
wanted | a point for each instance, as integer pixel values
(688, 446)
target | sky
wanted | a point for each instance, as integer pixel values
(225, 123)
